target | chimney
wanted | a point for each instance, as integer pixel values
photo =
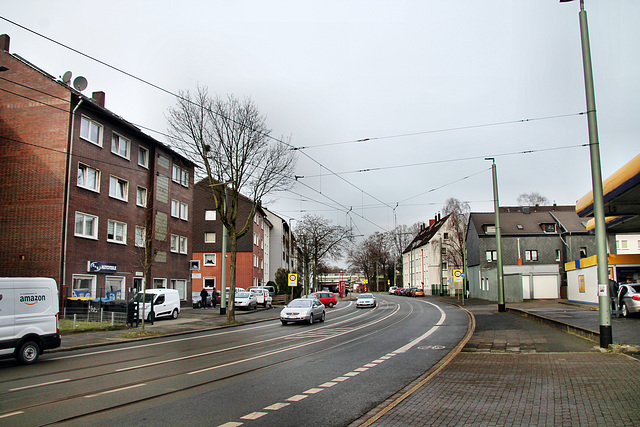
(431, 222)
(99, 98)
(4, 42)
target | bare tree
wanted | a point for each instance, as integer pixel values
(318, 241)
(400, 238)
(459, 217)
(532, 199)
(373, 257)
(229, 139)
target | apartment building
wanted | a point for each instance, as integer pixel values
(87, 198)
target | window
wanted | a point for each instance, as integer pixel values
(117, 232)
(114, 287)
(210, 259)
(548, 227)
(490, 229)
(181, 286)
(209, 237)
(175, 208)
(184, 178)
(443, 251)
(174, 242)
(183, 245)
(141, 236)
(583, 252)
(88, 177)
(184, 211)
(84, 286)
(119, 189)
(175, 173)
(159, 283)
(531, 255)
(622, 244)
(141, 197)
(91, 131)
(86, 226)
(209, 215)
(445, 236)
(444, 266)
(143, 157)
(491, 256)
(557, 254)
(120, 146)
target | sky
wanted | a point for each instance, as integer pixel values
(432, 87)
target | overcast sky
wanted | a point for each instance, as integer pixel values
(436, 86)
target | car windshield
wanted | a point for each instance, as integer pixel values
(242, 295)
(138, 297)
(298, 303)
(363, 296)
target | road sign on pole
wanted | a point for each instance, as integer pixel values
(293, 280)
(457, 275)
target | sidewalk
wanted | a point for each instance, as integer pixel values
(515, 371)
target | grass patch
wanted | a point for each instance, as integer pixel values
(66, 326)
(234, 323)
(141, 334)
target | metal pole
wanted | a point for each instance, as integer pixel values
(606, 337)
(496, 207)
(223, 261)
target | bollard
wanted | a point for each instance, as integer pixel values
(74, 321)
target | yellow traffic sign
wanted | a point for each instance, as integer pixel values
(293, 280)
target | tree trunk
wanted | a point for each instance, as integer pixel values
(231, 309)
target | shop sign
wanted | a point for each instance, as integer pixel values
(101, 267)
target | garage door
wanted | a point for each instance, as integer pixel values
(545, 287)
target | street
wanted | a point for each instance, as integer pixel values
(325, 374)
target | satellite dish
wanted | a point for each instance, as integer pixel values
(66, 77)
(80, 83)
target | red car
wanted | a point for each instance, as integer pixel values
(326, 298)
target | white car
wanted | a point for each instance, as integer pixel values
(392, 290)
(246, 300)
(366, 300)
(264, 299)
(305, 310)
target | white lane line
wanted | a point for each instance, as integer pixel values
(297, 397)
(340, 379)
(253, 416)
(328, 384)
(361, 369)
(230, 424)
(443, 316)
(313, 391)
(39, 385)
(351, 374)
(378, 360)
(11, 414)
(371, 365)
(114, 391)
(276, 406)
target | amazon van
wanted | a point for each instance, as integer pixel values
(29, 322)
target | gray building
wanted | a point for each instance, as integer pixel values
(536, 243)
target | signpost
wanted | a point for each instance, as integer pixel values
(293, 282)
(458, 277)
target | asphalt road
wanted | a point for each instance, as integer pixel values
(263, 374)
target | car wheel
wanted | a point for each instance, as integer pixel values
(28, 353)
(198, 304)
(284, 322)
(174, 314)
(311, 319)
(625, 310)
(330, 304)
(322, 317)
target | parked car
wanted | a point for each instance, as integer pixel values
(366, 300)
(629, 298)
(418, 293)
(303, 310)
(263, 296)
(196, 299)
(392, 290)
(327, 298)
(246, 300)
(166, 303)
(228, 291)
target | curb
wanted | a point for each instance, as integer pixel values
(587, 334)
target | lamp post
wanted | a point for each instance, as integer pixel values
(606, 337)
(496, 208)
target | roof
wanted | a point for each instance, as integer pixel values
(426, 234)
(528, 221)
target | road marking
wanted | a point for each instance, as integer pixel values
(11, 414)
(443, 316)
(114, 391)
(351, 374)
(340, 379)
(297, 397)
(361, 369)
(276, 406)
(39, 385)
(230, 424)
(313, 391)
(253, 416)
(378, 360)
(328, 384)
(371, 365)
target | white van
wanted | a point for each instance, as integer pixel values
(166, 303)
(28, 317)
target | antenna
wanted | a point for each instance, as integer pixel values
(66, 77)
(80, 83)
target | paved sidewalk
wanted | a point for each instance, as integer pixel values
(515, 371)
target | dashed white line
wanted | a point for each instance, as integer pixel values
(297, 397)
(230, 424)
(39, 385)
(361, 369)
(328, 384)
(351, 374)
(253, 416)
(114, 391)
(11, 414)
(313, 391)
(276, 406)
(340, 379)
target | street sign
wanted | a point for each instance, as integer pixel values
(457, 275)
(293, 280)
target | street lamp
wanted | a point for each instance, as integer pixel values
(496, 208)
(606, 337)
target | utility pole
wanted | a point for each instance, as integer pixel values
(496, 207)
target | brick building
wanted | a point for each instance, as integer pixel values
(252, 248)
(82, 188)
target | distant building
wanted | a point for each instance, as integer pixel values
(82, 188)
(536, 243)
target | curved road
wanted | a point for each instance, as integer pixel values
(264, 374)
